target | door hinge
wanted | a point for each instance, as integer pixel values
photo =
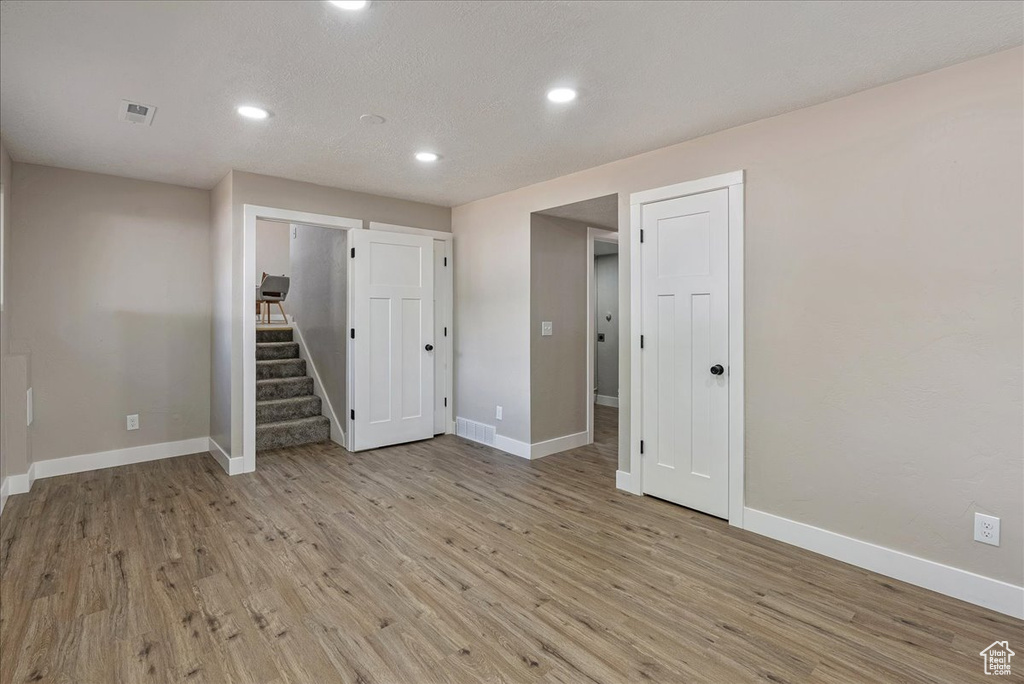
(446, 331)
(352, 414)
(352, 333)
(446, 401)
(353, 252)
(641, 446)
(641, 235)
(446, 261)
(641, 341)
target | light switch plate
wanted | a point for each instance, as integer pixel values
(545, 328)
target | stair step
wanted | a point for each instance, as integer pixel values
(293, 408)
(283, 388)
(293, 432)
(273, 335)
(269, 351)
(280, 368)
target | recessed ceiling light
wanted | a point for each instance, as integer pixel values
(426, 156)
(253, 112)
(561, 94)
(350, 4)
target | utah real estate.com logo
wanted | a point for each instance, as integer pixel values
(997, 658)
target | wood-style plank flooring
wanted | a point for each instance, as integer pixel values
(441, 561)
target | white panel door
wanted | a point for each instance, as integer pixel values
(685, 323)
(442, 309)
(393, 328)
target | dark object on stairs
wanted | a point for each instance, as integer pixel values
(287, 411)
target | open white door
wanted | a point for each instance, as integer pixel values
(392, 337)
(685, 357)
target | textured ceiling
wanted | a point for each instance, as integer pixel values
(466, 79)
(600, 212)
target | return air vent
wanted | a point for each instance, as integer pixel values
(478, 432)
(135, 112)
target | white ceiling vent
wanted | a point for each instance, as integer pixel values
(135, 112)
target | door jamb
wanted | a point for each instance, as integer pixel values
(593, 235)
(734, 182)
(251, 212)
(449, 240)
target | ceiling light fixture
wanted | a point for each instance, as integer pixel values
(426, 156)
(250, 112)
(350, 4)
(561, 95)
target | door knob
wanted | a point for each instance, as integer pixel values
(717, 369)
(429, 347)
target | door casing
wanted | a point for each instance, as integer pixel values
(734, 182)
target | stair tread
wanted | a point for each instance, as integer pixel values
(293, 378)
(294, 422)
(277, 344)
(277, 361)
(286, 400)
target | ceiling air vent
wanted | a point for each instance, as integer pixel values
(135, 112)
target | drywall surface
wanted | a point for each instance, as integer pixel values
(558, 294)
(318, 301)
(222, 325)
(5, 333)
(883, 307)
(273, 240)
(606, 353)
(110, 294)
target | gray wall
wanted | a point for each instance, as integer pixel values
(883, 307)
(110, 294)
(222, 258)
(318, 301)
(606, 354)
(558, 293)
(273, 242)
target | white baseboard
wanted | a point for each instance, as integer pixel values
(624, 481)
(558, 444)
(967, 586)
(20, 484)
(337, 431)
(231, 466)
(118, 457)
(511, 446)
(605, 400)
(5, 491)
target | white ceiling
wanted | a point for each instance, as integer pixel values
(600, 212)
(466, 79)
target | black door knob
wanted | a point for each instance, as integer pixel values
(717, 369)
(429, 347)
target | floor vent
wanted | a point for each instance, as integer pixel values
(478, 432)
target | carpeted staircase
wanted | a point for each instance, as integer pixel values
(287, 411)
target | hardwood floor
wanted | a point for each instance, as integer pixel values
(440, 561)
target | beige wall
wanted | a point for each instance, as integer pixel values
(5, 191)
(110, 294)
(273, 242)
(606, 354)
(558, 293)
(222, 256)
(279, 193)
(883, 307)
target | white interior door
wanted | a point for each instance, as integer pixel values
(393, 337)
(442, 312)
(685, 323)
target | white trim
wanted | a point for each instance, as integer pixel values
(967, 586)
(231, 466)
(734, 181)
(5, 492)
(593, 235)
(622, 480)
(511, 446)
(559, 444)
(605, 400)
(693, 187)
(337, 433)
(55, 467)
(250, 212)
(21, 484)
(395, 228)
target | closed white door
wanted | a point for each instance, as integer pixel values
(442, 309)
(392, 338)
(685, 325)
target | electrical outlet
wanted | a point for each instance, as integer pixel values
(986, 529)
(133, 421)
(497, 412)
(545, 328)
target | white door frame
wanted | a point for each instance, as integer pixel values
(449, 284)
(593, 235)
(734, 183)
(251, 212)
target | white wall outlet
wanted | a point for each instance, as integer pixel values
(497, 412)
(545, 328)
(28, 407)
(133, 421)
(986, 529)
